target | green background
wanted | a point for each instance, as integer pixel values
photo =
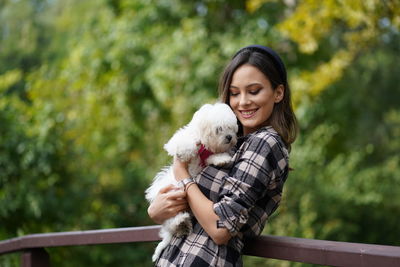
(91, 90)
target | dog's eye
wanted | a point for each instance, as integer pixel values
(219, 129)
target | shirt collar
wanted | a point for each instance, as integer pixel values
(268, 128)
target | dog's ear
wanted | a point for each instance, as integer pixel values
(205, 127)
(198, 120)
(200, 114)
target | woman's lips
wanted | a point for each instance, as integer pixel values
(247, 113)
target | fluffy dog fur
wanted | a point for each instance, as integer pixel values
(214, 127)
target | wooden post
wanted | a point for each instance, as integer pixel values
(36, 257)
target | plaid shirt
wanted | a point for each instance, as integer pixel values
(244, 195)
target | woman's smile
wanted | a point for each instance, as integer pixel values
(247, 114)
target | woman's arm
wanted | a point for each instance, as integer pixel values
(167, 204)
(260, 168)
(201, 207)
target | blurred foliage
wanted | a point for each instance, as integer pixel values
(91, 90)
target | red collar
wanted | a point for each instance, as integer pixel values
(204, 154)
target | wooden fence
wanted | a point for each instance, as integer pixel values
(312, 251)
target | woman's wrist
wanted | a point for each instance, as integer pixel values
(189, 185)
(152, 215)
(180, 170)
(181, 175)
(186, 182)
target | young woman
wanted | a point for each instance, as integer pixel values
(232, 203)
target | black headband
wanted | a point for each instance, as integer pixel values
(271, 54)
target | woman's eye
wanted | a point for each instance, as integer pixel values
(254, 92)
(234, 94)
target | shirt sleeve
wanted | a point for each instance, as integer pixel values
(259, 163)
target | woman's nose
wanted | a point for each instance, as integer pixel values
(244, 100)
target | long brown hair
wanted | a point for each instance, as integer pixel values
(282, 119)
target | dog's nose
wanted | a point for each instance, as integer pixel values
(228, 137)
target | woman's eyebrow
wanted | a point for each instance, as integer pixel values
(253, 84)
(247, 86)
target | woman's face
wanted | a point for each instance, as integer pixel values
(252, 97)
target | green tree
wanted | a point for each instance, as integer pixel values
(91, 90)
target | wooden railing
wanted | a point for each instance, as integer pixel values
(312, 251)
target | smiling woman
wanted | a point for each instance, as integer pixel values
(258, 70)
(234, 202)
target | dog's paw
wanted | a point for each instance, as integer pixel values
(185, 151)
(154, 257)
(219, 159)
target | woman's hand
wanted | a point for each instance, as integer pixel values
(180, 169)
(167, 204)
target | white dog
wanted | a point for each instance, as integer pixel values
(211, 132)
